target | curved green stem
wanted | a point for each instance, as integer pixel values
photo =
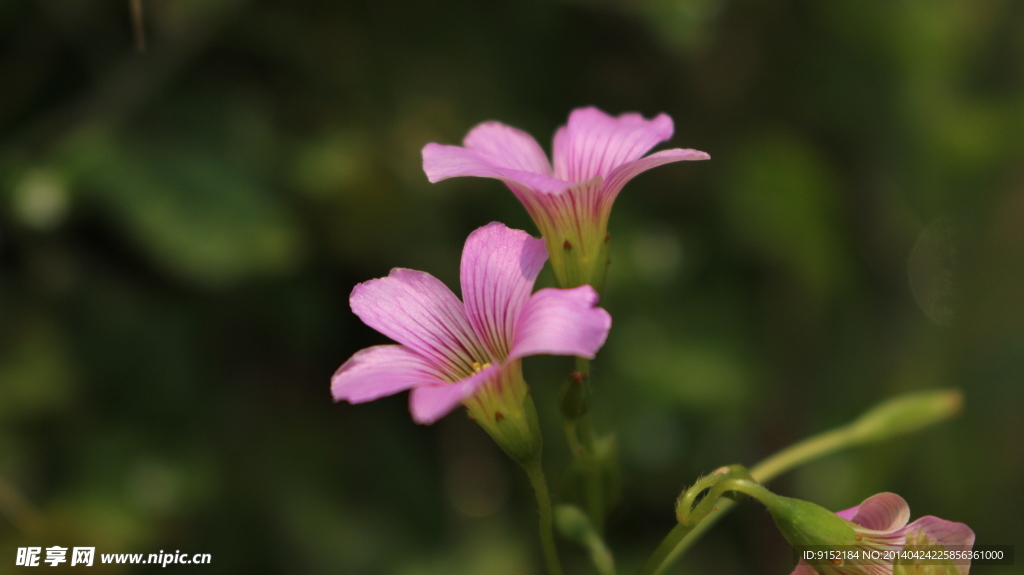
(600, 555)
(896, 416)
(547, 535)
(573, 524)
(663, 555)
(802, 452)
(708, 505)
(681, 538)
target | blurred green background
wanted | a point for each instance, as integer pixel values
(180, 229)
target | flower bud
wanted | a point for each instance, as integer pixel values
(907, 413)
(574, 400)
(804, 523)
(572, 523)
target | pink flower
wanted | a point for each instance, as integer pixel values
(452, 352)
(595, 155)
(880, 523)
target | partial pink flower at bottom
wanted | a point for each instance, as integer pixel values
(595, 155)
(880, 524)
(451, 352)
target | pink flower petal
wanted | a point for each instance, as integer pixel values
(509, 147)
(499, 266)
(594, 143)
(848, 514)
(429, 403)
(622, 174)
(442, 162)
(885, 512)
(802, 568)
(949, 534)
(941, 531)
(562, 322)
(417, 310)
(380, 371)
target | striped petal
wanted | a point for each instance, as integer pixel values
(499, 266)
(621, 175)
(428, 403)
(884, 512)
(418, 311)
(594, 143)
(508, 147)
(380, 371)
(562, 322)
(441, 162)
(931, 530)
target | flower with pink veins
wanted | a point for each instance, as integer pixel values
(595, 155)
(469, 352)
(880, 523)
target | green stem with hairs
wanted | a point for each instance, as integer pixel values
(547, 535)
(896, 416)
(681, 538)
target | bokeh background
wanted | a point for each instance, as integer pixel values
(180, 229)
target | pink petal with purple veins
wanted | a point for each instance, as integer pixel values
(594, 143)
(417, 310)
(509, 147)
(622, 174)
(949, 534)
(428, 403)
(562, 322)
(380, 371)
(848, 514)
(885, 512)
(499, 266)
(442, 162)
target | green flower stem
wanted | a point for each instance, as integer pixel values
(667, 549)
(573, 524)
(897, 416)
(547, 536)
(803, 452)
(683, 537)
(600, 555)
(580, 437)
